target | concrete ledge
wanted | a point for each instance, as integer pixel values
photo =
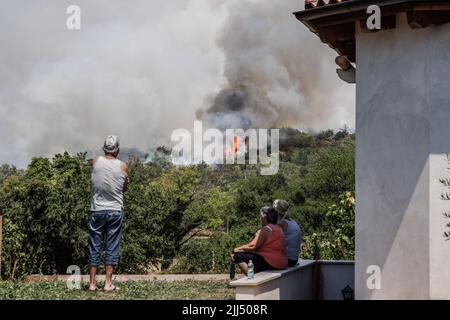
(259, 279)
(299, 282)
(337, 262)
(266, 276)
(294, 283)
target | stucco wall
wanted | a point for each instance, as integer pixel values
(297, 283)
(336, 276)
(403, 133)
(294, 283)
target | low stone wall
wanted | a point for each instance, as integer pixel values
(291, 284)
(133, 277)
(299, 282)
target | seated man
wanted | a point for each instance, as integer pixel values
(267, 250)
(291, 229)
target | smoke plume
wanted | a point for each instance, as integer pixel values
(277, 73)
(142, 68)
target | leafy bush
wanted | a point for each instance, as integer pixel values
(46, 208)
(45, 214)
(212, 255)
(337, 243)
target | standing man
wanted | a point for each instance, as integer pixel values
(109, 181)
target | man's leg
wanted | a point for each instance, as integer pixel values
(92, 278)
(108, 277)
(113, 238)
(95, 244)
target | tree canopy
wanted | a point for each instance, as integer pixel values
(179, 219)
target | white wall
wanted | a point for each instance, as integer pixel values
(298, 283)
(336, 276)
(403, 133)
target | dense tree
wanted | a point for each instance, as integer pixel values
(179, 219)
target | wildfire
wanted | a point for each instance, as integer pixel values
(234, 148)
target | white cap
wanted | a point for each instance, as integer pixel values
(111, 144)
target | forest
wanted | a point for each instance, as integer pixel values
(179, 219)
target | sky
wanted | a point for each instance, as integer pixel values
(143, 68)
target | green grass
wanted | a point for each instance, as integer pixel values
(130, 290)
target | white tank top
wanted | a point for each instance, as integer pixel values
(107, 181)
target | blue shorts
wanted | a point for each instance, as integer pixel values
(105, 226)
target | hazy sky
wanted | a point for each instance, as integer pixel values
(142, 68)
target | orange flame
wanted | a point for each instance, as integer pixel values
(235, 145)
(234, 148)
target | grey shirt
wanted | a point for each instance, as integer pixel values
(107, 181)
(292, 237)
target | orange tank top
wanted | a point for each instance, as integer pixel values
(273, 250)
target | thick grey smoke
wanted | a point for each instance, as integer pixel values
(142, 68)
(242, 105)
(278, 73)
(137, 69)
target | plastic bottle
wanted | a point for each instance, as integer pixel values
(251, 270)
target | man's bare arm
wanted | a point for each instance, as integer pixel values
(93, 161)
(127, 180)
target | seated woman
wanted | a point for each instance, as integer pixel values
(291, 229)
(267, 250)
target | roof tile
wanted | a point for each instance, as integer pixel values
(310, 4)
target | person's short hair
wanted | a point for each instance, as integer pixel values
(270, 214)
(111, 144)
(281, 206)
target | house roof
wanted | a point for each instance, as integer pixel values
(310, 4)
(334, 20)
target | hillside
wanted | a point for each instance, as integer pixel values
(46, 208)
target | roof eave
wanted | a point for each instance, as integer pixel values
(335, 23)
(349, 6)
